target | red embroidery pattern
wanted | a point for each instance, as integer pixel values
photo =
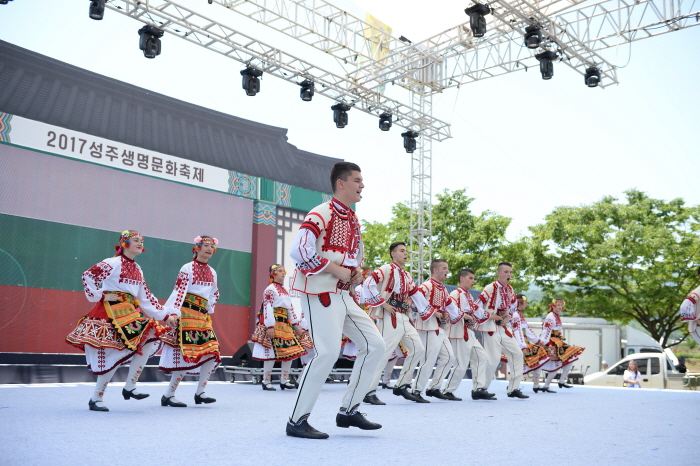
(557, 319)
(280, 289)
(181, 286)
(342, 232)
(202, 274)
(438, 295)
(130, 273)
(152, 299)
(97, 273)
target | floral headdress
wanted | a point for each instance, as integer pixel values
(125, 241)
(554, 303)
(274, 269)
(199, 241)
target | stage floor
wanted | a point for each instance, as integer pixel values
(49, 424)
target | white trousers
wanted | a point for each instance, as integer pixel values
(696, 334)
(468, 353)
(436, 346)
(327, 326)
(499, 343)
(404, 333)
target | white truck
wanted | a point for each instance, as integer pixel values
(657, 371)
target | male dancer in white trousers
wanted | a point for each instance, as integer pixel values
(466, 347)
(327, 252)
(499, 299)
(433, 336)
(389, 290)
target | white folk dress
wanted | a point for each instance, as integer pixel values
(111, 339)
(193, 300)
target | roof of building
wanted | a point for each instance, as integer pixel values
(40, 88)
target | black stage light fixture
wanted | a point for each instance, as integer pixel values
(97, 9)
(385, 121)
(150, 41)
(307, 90)
(251, 81)
(533, 37)
(340, 115)
(409, 141)
(593, 76)
(546, 59)
(477, 22)
(4, 2)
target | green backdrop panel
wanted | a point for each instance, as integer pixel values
(41, 254)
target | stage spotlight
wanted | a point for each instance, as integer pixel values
(307, 90)
(340, 115)
(533, 37)
(97, 9)
(593, 76)
(477, 22)
(150, 41)
(385, 121)
(251, 83)
(546, 66)
(409, 141)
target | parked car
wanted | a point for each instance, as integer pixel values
(657, 371)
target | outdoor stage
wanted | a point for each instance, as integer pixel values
(49, 424)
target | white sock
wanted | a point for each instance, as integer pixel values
(205, 371)
(536, 377)
(101, 385)
(286, 367)
(175, 380)
(136, 367)
(564, 373)
(550, 377)
(267, 372)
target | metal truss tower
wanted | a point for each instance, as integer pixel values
(368, 58)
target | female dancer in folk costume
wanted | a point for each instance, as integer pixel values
(192, 347)
(561, 355)
(116, 331)
(277, 335)
(534, 356)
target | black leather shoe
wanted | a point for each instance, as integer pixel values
(435, 393)
(130, 394)
(357, 419)
(386, 386)
(268, 386)
(199, 399)
(482, 394)
(288, 385)
(450, 396)
(517, 394)
(419, 398)
(168, 401)
(547, 390)
(565, 385)
(404, 392)
(302, 429)
(373, 400)
(93, 406)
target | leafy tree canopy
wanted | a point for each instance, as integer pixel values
(620, 260)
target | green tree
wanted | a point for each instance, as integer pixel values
(620, 260)
(461, 237)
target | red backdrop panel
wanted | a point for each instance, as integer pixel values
(37, 320)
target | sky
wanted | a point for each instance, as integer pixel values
(521, 146)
